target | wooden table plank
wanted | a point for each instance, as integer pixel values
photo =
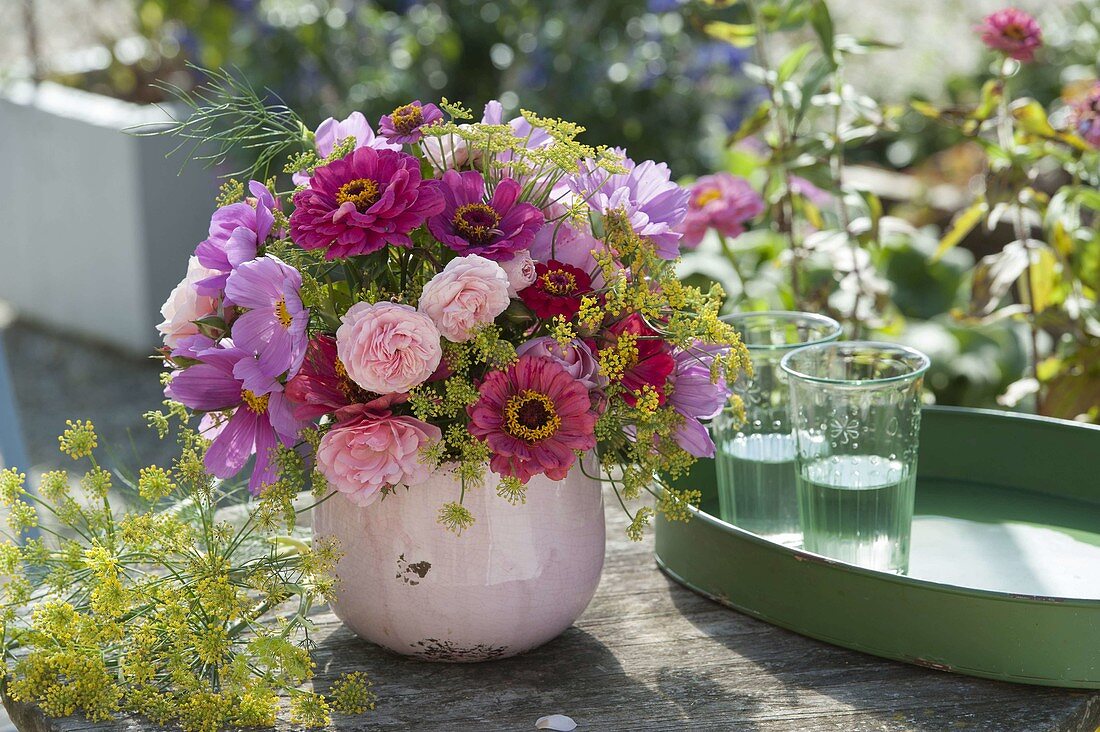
(648, 654)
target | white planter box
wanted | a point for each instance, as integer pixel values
(95, 224)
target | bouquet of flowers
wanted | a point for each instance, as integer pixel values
(491, 298)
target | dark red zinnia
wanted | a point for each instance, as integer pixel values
(653, 364)
(557, 289)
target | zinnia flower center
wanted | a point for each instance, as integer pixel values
(1015, 32)
(257, 404)
(476, 222)
(530, 416)
(282, 313)
(712, 194)
(559, 282)
(407, 118)
(363, 192)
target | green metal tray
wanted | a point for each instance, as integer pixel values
(1004, 578)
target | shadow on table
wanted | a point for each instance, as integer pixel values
(793, 669)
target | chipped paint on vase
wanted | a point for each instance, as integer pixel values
(514, 580)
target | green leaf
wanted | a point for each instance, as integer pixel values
(990, 97)
(789, 65)
(1032, 118)
(964, 223)
(752, 124)
(994, 276)
(737, 35)
(926, 109)
(1042, 278)
(822, 23)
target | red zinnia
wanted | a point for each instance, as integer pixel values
(557, 289)
(653, 363)
(322, 386)
(534, 416)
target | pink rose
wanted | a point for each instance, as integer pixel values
(470, 291)
(185, 305)
(387, 347)
(521, 272)
(376, 451)
(576, 357)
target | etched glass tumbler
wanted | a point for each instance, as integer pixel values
(855, 408)
(755, 458)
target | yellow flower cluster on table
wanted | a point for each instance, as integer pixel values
(163, 610)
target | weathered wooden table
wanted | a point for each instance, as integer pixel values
(650, 655)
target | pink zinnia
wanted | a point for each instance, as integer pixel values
(496, 228)
(362, 202)
(1012, 32)
(534, 416)
(404, 123)
(722, 202)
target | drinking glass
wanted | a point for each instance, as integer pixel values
(855, 409)
(755, 458)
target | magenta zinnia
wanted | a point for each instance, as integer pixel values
(362, 202)
(1012, 32)
(533, 415)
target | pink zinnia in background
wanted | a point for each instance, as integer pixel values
(259, 422)
(1012, 32)
(496, 228)
(273, 329)
(403, 125)
(722, 202)
(361, 203)
(533, 415)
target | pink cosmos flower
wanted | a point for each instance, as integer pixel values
(330, 133)
(1085, 116)
(361, 203)
(1012, 32)
(653, 203)
(388, 347)
(259, 421)
(273, 329)
(470, 291)
(375, 452)
(403, 124)
(533, 416)
(185, 305)
(722, 202)
(577, 357)
(694, 396)
(495, 229)
(237, 232)
(520, 270)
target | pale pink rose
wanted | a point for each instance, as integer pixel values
(185, 305)
(470, 291)
(387, 347)
(521, 272)
(376, 451)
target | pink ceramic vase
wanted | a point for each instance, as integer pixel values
(514, 580)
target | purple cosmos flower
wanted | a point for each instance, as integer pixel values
(236, 233)
(495, 229)
(653, 204)
(1012, 32)
(694, 396)
(362, 202)
(330, 133)
(723, 202)
(258, 422)
(273, 329)
(403, 124)
(1086, 116)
